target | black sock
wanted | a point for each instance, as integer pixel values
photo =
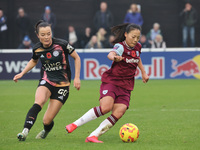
(49, 127)
(31, 116)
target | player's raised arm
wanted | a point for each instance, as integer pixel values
(116, 53)
(32, 63)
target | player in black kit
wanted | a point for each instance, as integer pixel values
(54, 84)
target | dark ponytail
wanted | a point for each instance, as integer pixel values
(119, 31)
(39, 24)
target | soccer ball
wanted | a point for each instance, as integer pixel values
(129, 132)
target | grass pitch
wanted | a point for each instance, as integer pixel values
(167, 113)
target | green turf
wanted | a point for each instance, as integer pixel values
(167, 113)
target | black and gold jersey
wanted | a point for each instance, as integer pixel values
(55, 63)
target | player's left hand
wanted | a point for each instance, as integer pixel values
(145, 78)
(77, 83)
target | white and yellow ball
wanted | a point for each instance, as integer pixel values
(129, 132)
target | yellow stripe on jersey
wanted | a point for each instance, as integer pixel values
(62, 84)
(39, 50)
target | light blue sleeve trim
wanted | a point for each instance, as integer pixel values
(118, 48)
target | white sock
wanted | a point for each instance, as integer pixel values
(92, 114)
(25, 131)
(104, 126)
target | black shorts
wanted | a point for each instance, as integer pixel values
(58, 93)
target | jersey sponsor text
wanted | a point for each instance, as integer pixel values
(52, 66)
(132, 60)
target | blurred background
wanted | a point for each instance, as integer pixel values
(81, 13)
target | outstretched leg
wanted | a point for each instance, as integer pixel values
(106, 105)
(117, 112)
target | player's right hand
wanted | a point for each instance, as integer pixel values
(118, 58)
(17, 76)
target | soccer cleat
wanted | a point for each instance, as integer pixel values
(71, 127)
(93, 139)
(21, 136)
(42, 135)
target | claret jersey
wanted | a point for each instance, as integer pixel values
(122, 73)
(55, 63)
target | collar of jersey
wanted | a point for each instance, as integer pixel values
(128, 47)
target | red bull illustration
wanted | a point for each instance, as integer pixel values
(93, 69)
(190, 67)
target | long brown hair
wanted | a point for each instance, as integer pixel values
(119, 31)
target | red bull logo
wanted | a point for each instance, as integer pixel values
(189, 67)
(93, 69)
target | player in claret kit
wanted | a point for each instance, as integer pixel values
(53, 54)
(117, 82)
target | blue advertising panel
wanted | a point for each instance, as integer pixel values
(13, 63)
(158, 65)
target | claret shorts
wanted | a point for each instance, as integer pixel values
(120, 95)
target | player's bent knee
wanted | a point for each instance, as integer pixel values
(106, 109)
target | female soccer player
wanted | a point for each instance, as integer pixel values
(53, 54)
(117, 82)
